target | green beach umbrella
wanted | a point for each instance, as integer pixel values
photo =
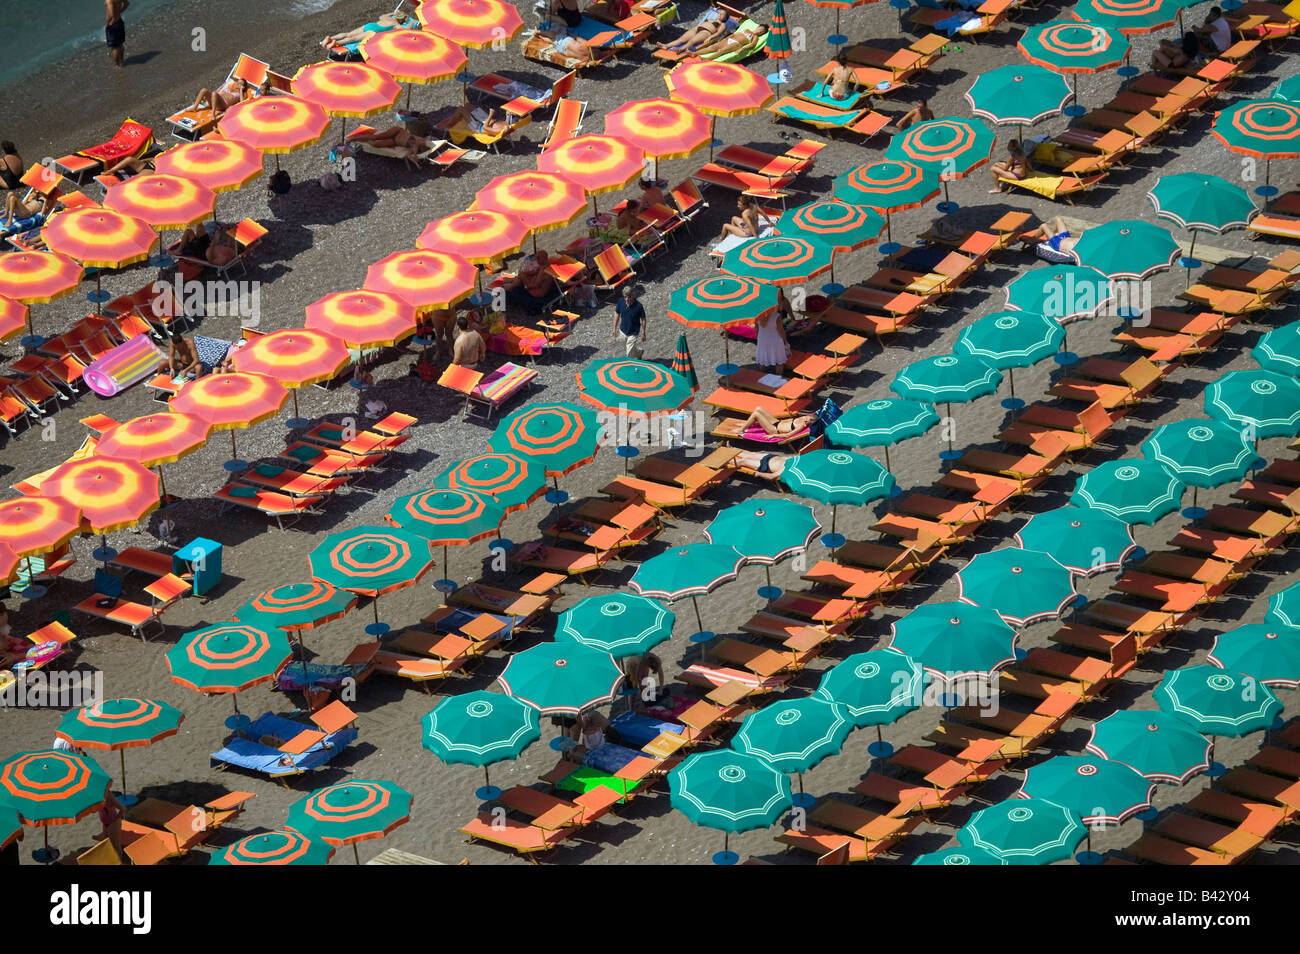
(479, 728)
(50, 788)
(794, 735)
(722, 301)
(730, 791)
(1159, 746)
(1261, 403)
(561, 436)
(778, 35)
(1007, 340)
(945, 379)
(1024, 831)
(228, 657)
(1100, 792)
(446, 518)
(1217, 702)
(1070, 47)
(1288, 91)
(837, 477)
(1126, 248)
(1279, 350)
(120, 724)
(881, 423)
(1201, 202)
(949, 147)
(561, 678)
(764, 531)
(633, 388)
(779, 260)
(350, 812)
(1018, 95)
(1022, 586)
(955, 640)
(844, 227)
(1063, 293)
(296, 606)
(682, 363)
(889, 186)
(371, 561)
(1135, 491)
(11, 826)
(621, 624)
(958, 856)
(1265, 129)
(876, 687)
(283, 847)
(1083, 540)
(1128, 16)
(691, 570)
(512, 480)
(1267, 651)
(1200, 453)
(1284, 606)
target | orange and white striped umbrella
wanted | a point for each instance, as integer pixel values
(13, 318)
(427, 280)
(154, 439)
(163, 201)
(34, 278)
(477, 236)
(718, 89)
(346, 89)
(541, 200)
(275, 124)
(219, 164)
(472, 23)
(111, 494)
(229, 401)
(599, 163)
(363, 318)
(99, 238)
(413, 56)
(296, 357)
(661, 128)
(31, 525)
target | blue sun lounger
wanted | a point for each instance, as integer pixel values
(298, 748)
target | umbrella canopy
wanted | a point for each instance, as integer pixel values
(513, 481)
(111, 494)
(296, 357)
(346, 89)
(561, 678)
(275, 848)
(1083, 540)
(13, 318)
(1021, 586)
(371, 560)
(35, 278)
(691, 570)
(1217, 702)
(1024, 831)
(448, 517)
(1135, 491)
(1266, 651)
(162, 201)
(876, 687)
(718, 89)
(779, 260)
(1200, 201)
(1128, 16)
(836, 477)
(1266, 402)
(955, 640)
(351, 811)
(154, 439)
(52, 787)
(472, 23)
(621, 624)
(1288, 91)
(661, 128)
(794, 735)
(1279, 350)
(8, 564)
(1265, 129)
(1200, 452)
(228, 401)
(599, 163)
(778, 35)
(1066, 47)
(764, 531)
(889, 186)
(560, 436)
(634, 388)
(1010, 339)
(729, 790)
(1098, 791)
(682, 363)
(1018, 95)
(722, 301)
(11, 826)
(479, 728)
(275, 124)
(1061, 292)
(294, 606)
(477, 236)
(363, 318)
(958, 856)
(119, 724)
(98, 237)
(881, 423)
(219, 164)
(844, 227)
(422, 278)
(946, 378)
(1284, 606)
(541, 200)
(1126, 248)
(32, 525)
(228, 657)
(949, 147)
(413, 56)
(1158, 746)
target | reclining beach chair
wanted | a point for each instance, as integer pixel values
(131, 139)
(487, 393)
(566, 122)
(193, 124)
(519, 98)
(279, 748)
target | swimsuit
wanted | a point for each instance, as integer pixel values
(1055, 241)
(571, 18)
(11, 180)
(115, 34)
(764, 465)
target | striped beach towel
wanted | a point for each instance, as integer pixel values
(503, 382)
(123, 366)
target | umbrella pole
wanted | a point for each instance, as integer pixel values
(374, 604)
(162, 483)
(767, 571)
(444, 562)
(698, 621)
(487, 782)
(1011, 379)
(834, 510)
(880, 737)
(234, 454)
(949, 411)
(122, 756)
(355, 854)
(99, 306)
(408, 97)
(295, 405)
(1075, 95)
(713, 125)
(887, 467)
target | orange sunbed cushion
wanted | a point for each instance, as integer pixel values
(130, 139)
(460, 378)
(334, 716)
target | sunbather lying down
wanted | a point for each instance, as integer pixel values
(1052, 240)
(219, 100)
(774, 426)
(767, 466)
(17, 209)
(385, 23)
(575, 51)
(711, 26)
(216, 249)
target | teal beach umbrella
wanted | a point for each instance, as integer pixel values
(1162, 747)
(1100, 792)
(1279, 350)
(1022, 586)
(562, 436)
(479, 728)
(955, 640)
(1218, 702)
(1284, 606)
(730, 791)
(795, 734)
(1267, 651)
(1007, 340)
(945, 379)
(881, 423)
(282, 847)
(1200, 452)
(1126, 248)
(692, 570)
(1063, 293)
(1135, 491)
(1083, 540)
(351, 812)
(1261, 403)
(1024, 831)
(958, 855)
(764, 531)
(621, 624)
(1018, 94)
(877, 688)
(837, 477)
(561, 678)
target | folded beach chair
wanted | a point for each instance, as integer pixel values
(486, 393)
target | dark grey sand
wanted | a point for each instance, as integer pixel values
(321, 242)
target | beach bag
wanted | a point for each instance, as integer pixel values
(280, 183)
(825, 416)
(331, 181)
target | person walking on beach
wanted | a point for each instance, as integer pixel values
(630, 323)
(115, 29)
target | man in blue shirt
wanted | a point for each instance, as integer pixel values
(630, 322)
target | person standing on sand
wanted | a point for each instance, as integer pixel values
(469, 348)
(115, 28)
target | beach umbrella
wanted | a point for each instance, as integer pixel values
(154, 439)
(844, 227)
(692, 570)
(1284, 606)
(1126, 248)
(560, 436)
(1158, 746)
(1131, 17)
(778, 34)
(346, 89)
(1218, 702)
(219, 164)
(1265, 129)
(778, 260)
(722, 301)
(1024, 831)
(1069, 47)
(1132, 490)
(1018, 95)
(1200, 452)
(954, 640)
(881, 423)
(350, 812)
(513, 481)
(1062, 292)
(231, 401)
(448, 518)
(1261, 403)
(1100, 792)
(275, 848)
(877, 688)
(119, 724)
(228, 657)
(633, 388)
(371, 561)
(561, 678)
(98, 237)
(717, 89)
(162, 201)
(295, 357)
(13, 318)
(946, 378)
(477, 236)
(1007, 340)
(887, 186)
(621, 624)
(33, 525)
(1022, 586)
(51, 788)
(958, 855)
(682, 363)
(34, 278)
(764, 531)
(795, 734)
(1267, 651)
(1083, 540)
(949, 148)
(479, 728)
(660, 128)
(837, 477)
(422, 278)
(541, 200)
(297, 606)
(11, 826)
(1279, 350)
(413, 56)
(111, 494)
(1201, 202)
(598, 163)
(473, 23)
(275, 124)
(1288, 91)
(728, 790)
(363, 318)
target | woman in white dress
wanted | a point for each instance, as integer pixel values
(773, 348)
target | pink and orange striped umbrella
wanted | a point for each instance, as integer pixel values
(296, 357)
(219, 164)
(660, 128)
(99, 238)
(600, 163)
(363, 318)
(425, 279)
(111, 494)
(346, 89)
(229, 401)
(477, 236)
(541, 200)
(472, 23)
(13, 318)
(162, 201)
(413, 56)
(32, 525)
(37, 277)
(9, 562)
(154, 439)
(718, 89)
(275, 124)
